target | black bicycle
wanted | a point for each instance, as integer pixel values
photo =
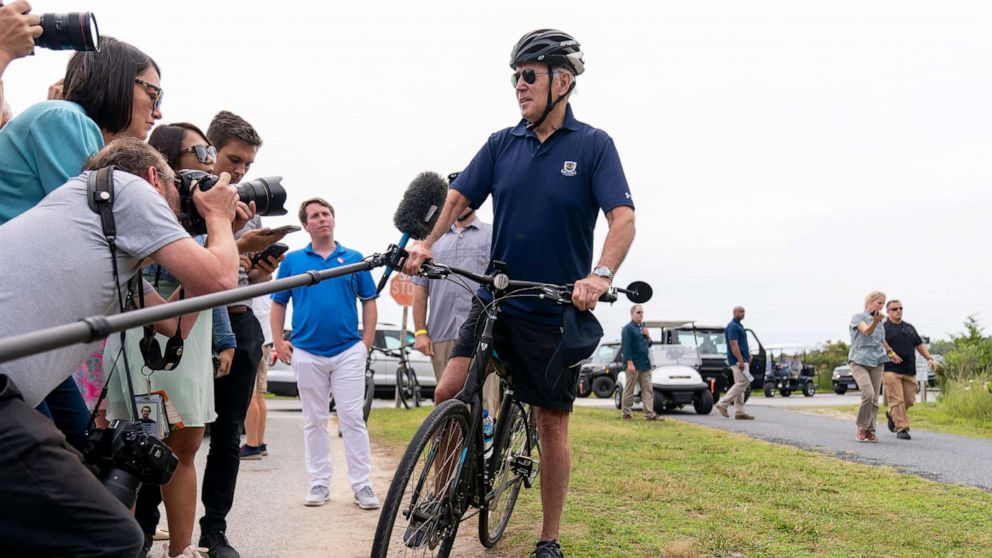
(407, 384)
(445, 469)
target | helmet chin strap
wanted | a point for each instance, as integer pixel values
(551, 104)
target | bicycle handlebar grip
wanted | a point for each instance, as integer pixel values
(609, 296)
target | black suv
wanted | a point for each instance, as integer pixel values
(599, 374)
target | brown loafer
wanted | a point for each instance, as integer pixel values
(743, 416)
(723, 411)
(654, 418)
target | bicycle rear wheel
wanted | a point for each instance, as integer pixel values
(414, 387)
(420, 516)
(403, 386)
(507, 466)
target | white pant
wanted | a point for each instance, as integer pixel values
(344, 375)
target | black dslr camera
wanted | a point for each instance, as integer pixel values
(126, 456)
(71, 31)
(267, 193)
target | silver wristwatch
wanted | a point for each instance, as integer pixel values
(604, 272)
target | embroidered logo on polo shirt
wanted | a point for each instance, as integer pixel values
(568, 169)
(340, 260)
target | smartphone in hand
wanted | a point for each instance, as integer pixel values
(274, 250)
(286, 229)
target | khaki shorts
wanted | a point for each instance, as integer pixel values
(262, 377)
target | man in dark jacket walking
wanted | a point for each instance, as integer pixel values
(634, 346)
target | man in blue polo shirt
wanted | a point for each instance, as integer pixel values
(549, 177)
(327, 353)
(737, 358)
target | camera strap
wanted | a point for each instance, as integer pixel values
(100, 198)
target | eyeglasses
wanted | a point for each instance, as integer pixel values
(155, 92)
(529, 76)
(895, 309)
(204, 153)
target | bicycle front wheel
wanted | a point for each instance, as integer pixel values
(509, 464)
(421, 512)
(369, 394)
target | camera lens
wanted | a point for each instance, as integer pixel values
(71, 31)
(267, 193)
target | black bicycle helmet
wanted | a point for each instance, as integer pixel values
(551, 47)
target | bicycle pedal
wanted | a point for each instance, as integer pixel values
(523, 466)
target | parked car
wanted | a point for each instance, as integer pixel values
(282, 379)
(842, 380)
(599, 374)
(675, 379)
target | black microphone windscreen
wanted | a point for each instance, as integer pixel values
(421, 205)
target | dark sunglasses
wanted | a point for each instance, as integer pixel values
(529, 76)
(895, 309)
(154, 91)
(204, 153)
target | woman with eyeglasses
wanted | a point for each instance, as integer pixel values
(189, 386)
(109, 93)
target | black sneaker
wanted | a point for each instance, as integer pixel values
(903, 435)
(547, 549)
(217, 546)
(892, 423)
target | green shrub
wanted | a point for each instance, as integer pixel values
(968, 398)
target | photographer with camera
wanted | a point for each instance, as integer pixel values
(188, 386)
(237, 142)
(113, 92)
(51, 504)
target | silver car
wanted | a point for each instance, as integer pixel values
(282, 379)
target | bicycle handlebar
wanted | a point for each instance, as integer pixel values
(500, 283)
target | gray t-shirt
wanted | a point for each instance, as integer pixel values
(56, 269)
(867, 350)
(449, 300)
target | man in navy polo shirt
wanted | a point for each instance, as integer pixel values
(327, 353)
(549, 177)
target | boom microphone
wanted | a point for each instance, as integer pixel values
(418, 212)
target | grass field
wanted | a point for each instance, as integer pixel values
(922, 416)
(681, 491)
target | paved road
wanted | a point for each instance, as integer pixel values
(941, 457)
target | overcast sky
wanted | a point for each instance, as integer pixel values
(785, 156)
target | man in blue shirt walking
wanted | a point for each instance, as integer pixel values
(634, 347)
(737, 358)
(327, 353)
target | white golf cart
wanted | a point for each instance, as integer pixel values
(675, 378)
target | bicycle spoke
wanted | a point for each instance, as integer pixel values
(425, 512)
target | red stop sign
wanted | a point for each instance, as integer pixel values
(401, 289)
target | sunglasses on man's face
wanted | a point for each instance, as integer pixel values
(204, 153)
(898, 309)
(529, 77)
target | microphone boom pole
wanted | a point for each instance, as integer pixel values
(98, 327)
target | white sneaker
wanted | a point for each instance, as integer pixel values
(366, 499)
(318, 496)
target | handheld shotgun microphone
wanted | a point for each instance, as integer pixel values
(418, 212)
